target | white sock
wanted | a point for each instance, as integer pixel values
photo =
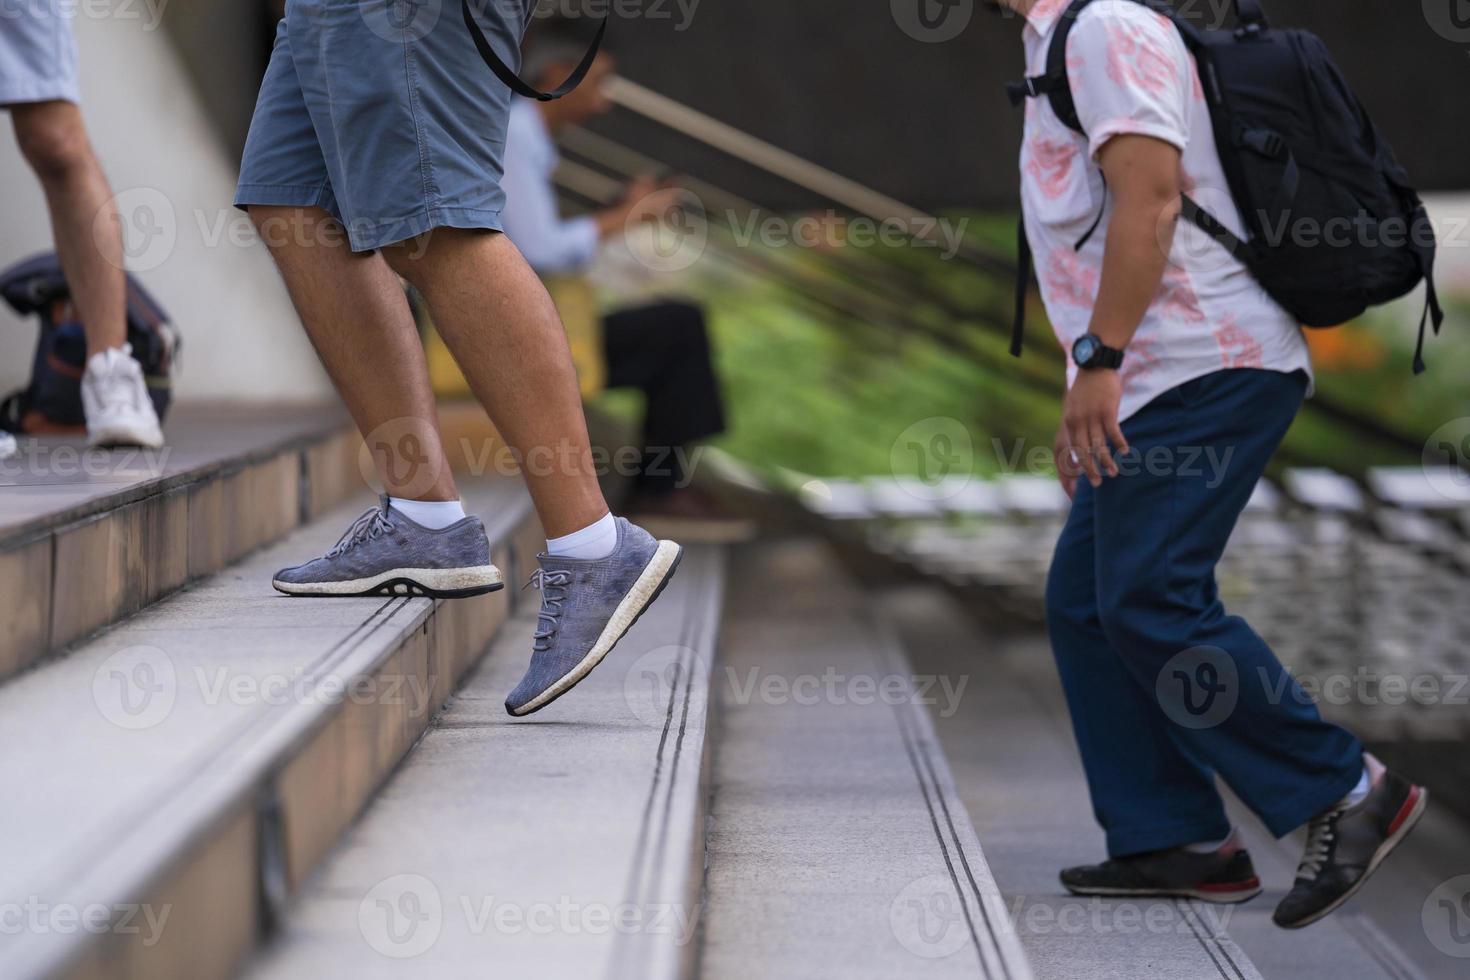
(1210, 846)
(592, 542)
(1371, 766)
(432, 514)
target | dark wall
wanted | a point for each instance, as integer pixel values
(840, 82)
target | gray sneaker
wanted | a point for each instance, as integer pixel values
(385, 553)
(586, 607)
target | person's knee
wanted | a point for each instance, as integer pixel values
(1141, 619)
(53, 141)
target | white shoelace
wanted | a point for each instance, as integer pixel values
(1321, 833)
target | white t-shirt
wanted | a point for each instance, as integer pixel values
(1130, 73)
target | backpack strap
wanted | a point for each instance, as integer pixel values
(1023, 283)
(512, 80)
(1433, 314)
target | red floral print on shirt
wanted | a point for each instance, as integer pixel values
(1138, 362)
(1050, 162)
(1176, 299)
(1137, 60)
(1070, 280)
(1238, 349)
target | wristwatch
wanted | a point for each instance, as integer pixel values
(1089, 353)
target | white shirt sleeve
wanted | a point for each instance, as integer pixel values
(1130, 75)
(531, 218)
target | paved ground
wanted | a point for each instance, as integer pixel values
(1011, 731)
(837, 846)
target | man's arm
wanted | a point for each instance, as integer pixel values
(1143, 177)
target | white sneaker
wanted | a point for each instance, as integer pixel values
(115, 399)
(7, 445)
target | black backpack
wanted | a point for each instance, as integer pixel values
(1300, 168)
(52, 403)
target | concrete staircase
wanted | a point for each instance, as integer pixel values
(183, 771)
(88, 537)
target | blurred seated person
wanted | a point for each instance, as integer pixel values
(661, 349)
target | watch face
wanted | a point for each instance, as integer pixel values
(1084, 351)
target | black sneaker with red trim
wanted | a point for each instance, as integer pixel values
(1347, 844)
(1224, 875)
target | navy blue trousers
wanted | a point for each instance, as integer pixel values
(1166, 690)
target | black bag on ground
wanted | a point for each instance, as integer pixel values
(52, 403)
(1333, 225)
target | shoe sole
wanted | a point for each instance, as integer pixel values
(1406, 819)
(120, 437)
(650, 585)
(433, 583)
(1234, 895)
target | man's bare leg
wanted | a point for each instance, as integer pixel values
(501, 326)
(358, 320)
(88, 236)
(83, 216)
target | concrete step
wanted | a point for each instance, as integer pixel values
(569, 844)
(88, 537)
(838, 844)
(174, 779)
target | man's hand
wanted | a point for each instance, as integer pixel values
(645, 199)
(1090, 422)
(1067, 468)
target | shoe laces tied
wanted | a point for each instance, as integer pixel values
(372, 524)
(119, 382)
(1321, 833)
(553, 586)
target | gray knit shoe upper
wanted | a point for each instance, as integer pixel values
(386, 553)
(586, 607)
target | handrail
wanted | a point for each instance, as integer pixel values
(774, 160)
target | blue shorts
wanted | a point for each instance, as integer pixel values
(383, 113)
(38, 54)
